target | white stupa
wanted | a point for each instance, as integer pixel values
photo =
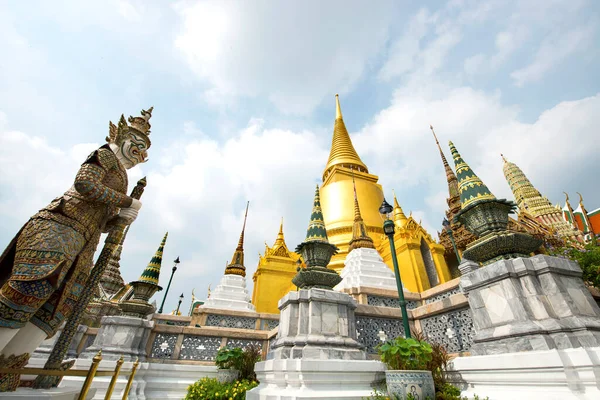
(231, 292)
(363, 266)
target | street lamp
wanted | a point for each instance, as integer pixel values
(446, 225)
(388, 228)
(179, 305)
(160, 310)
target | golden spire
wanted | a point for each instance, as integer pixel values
(399, 216)
(338, 109)
(503, 159)
(450, 176)
(236, 267)
(342, 151)
(280, 239)
(360, 237)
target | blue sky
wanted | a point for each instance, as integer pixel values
(244, 107)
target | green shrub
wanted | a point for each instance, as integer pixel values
(405, 354)
(228, 357)
(588, 259)
(211, 389)
(245, 364)
(438, 365)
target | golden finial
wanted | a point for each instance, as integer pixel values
(399, 216)
(434, 135)
(338, 109)
(504, 159)
(580, 198)
(567, 196)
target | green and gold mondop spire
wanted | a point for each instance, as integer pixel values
(316, 252)
(152, 271)
(472, 189)
(316, 228)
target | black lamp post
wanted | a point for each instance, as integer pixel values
(446, 225)
(179, 305)
(388, 228)
(160, 310)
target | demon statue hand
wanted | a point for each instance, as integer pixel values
(45, 267)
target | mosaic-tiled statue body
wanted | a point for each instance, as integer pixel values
(46, 265)
(44, 269)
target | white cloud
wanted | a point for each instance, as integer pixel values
(294, 56)
(554, 50)
(481, 127)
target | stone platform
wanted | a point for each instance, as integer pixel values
(61, 393)
(527, 304)
(121, 336)
(316, 379)
(548, 375)
(316, 354)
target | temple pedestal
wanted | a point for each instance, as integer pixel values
(45, 348)
(316, 354)
(230, 294)
(121, 336)
(571, 374)
(526, 304)
(365, 267)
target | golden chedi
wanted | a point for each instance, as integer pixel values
(421, 259)
(337, 193)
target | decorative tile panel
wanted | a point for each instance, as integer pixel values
(268, 324)
(453, 329)
(243, 343)
(373, 331)
(381, 301)
(199, 348)
(163, 346)
(229, 321)
(443, 296)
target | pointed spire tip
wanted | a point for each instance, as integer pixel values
(338, 109)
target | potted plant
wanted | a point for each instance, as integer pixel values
(407, 361)
(227, 360)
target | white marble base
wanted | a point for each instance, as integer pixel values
(230, 294)
(47, 394)
(152, 381)
(548, 375)
(365, 267)
(121, 336)
(316, 379)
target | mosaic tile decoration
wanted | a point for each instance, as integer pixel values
(453, 329)
(228, 321)
(268, 324)
(163, 346)
(381, 301)
(243, 343)
(442, 296)
(373, 331)
(199, 348)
